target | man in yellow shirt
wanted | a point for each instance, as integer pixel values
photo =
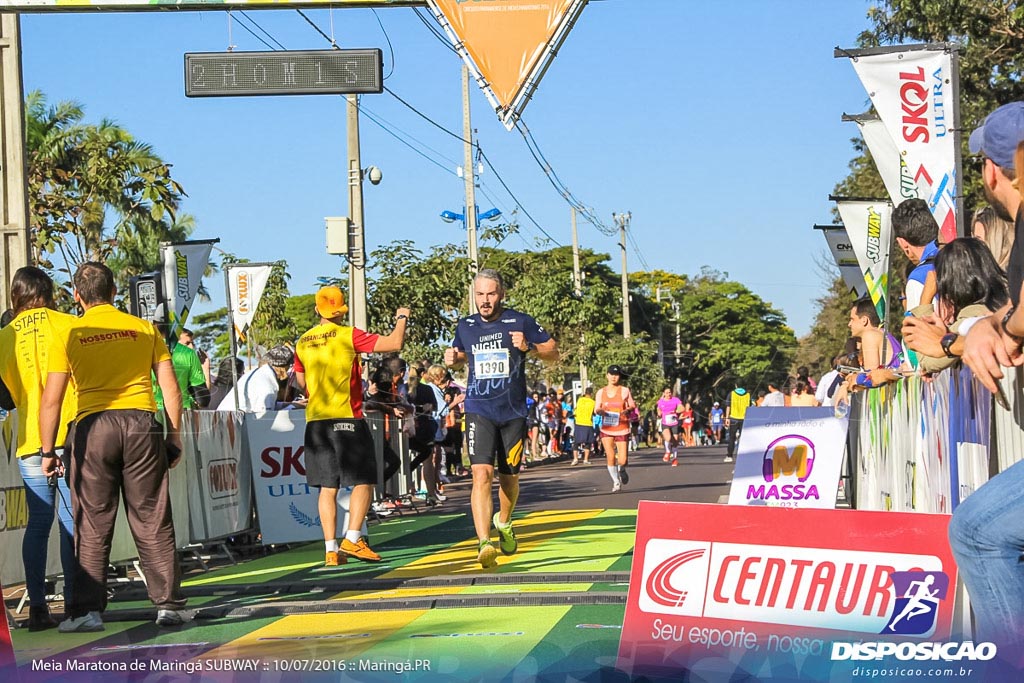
(117, 446)
(24, 345)
(338, 445)
(583, 434)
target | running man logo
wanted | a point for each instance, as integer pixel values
(874, 250)
(675, 577)
(916, 611)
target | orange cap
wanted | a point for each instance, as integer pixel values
(330, 302)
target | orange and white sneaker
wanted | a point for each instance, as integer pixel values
(334, 559)
(675, 462)
(360, 550)
(665, 459)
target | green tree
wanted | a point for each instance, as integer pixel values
(83, 176)
(830, 329)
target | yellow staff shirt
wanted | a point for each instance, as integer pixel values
(110, 354)
(738, 404)
(24, 363)
(328, 355)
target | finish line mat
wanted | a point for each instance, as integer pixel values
(552, 610)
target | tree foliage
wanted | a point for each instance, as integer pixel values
(96, 193)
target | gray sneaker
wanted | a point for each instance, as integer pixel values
(169, 617)
(89, 623)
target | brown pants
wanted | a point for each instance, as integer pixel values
(120, 453)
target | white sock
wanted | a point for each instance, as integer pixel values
(332, 545)
(503, 525)
(614, 473)
(353, 536)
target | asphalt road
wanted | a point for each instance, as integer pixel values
(701, 477)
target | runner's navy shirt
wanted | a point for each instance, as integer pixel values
(497, 371)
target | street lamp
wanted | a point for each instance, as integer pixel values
(470, 227)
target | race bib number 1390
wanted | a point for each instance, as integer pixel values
(491, 364)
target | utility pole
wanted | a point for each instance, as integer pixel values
(577, 288)
(623, 220)
(357, 243)
(661, 335)
(15, 238)
(469, 174)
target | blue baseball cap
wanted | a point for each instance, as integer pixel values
(998, 137)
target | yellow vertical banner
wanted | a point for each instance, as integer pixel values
(509, 42)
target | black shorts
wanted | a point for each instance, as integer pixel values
(583, 435)
(673, 429)
(339, 453)
(490, 442)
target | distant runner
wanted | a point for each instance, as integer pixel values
(669, 407)
(614, 402)
(495, 342)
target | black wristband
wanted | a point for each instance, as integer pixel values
(47, 454)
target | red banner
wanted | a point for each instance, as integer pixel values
(727, 589)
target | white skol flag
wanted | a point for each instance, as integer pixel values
(245, 288)
(912, 93)
(899, 182)
(869, 227)
(184, 264)
(842, 252)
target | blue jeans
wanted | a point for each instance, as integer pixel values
(987, 538)
(42, 499)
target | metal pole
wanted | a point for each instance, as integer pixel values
(357, 247)
(469, 174)
(961, 219)
(577, 286)
(15, 238)
(231, 335)
(623, 220)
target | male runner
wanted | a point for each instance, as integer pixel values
(495, 342)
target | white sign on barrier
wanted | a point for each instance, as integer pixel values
(220, 490)
(789, 457)
(287, 505)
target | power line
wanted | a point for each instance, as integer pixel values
(317, 28)
(264, 31)
(424, 116)
(391, 49)
(254, 35)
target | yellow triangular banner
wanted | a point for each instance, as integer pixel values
(510, 42)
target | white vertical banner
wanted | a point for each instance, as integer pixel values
(183, 266)
(246, 283)
(912, 90)
(869, 226)
(898, 180)
(220, 490)
(842, 253)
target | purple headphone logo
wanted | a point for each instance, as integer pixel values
(795, 457)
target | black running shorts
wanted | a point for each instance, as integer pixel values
(339, 453)
(491, 443)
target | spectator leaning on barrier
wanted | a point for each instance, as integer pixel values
(970, 285)
(986, 532)
(24, 353)
(117, 447)
(915, 230)
(259, 388)
(338, 445)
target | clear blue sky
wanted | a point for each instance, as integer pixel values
(716, 123)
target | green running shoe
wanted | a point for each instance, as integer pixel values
(488, 556)
(506, 536)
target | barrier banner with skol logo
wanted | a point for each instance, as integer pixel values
(789, 457)
(727, 592)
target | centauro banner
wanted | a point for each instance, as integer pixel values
(245, 288)
(869, 226)
(509, 44)
(912, 93)
(184, 265)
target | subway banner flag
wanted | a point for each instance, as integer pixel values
(730, 592)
